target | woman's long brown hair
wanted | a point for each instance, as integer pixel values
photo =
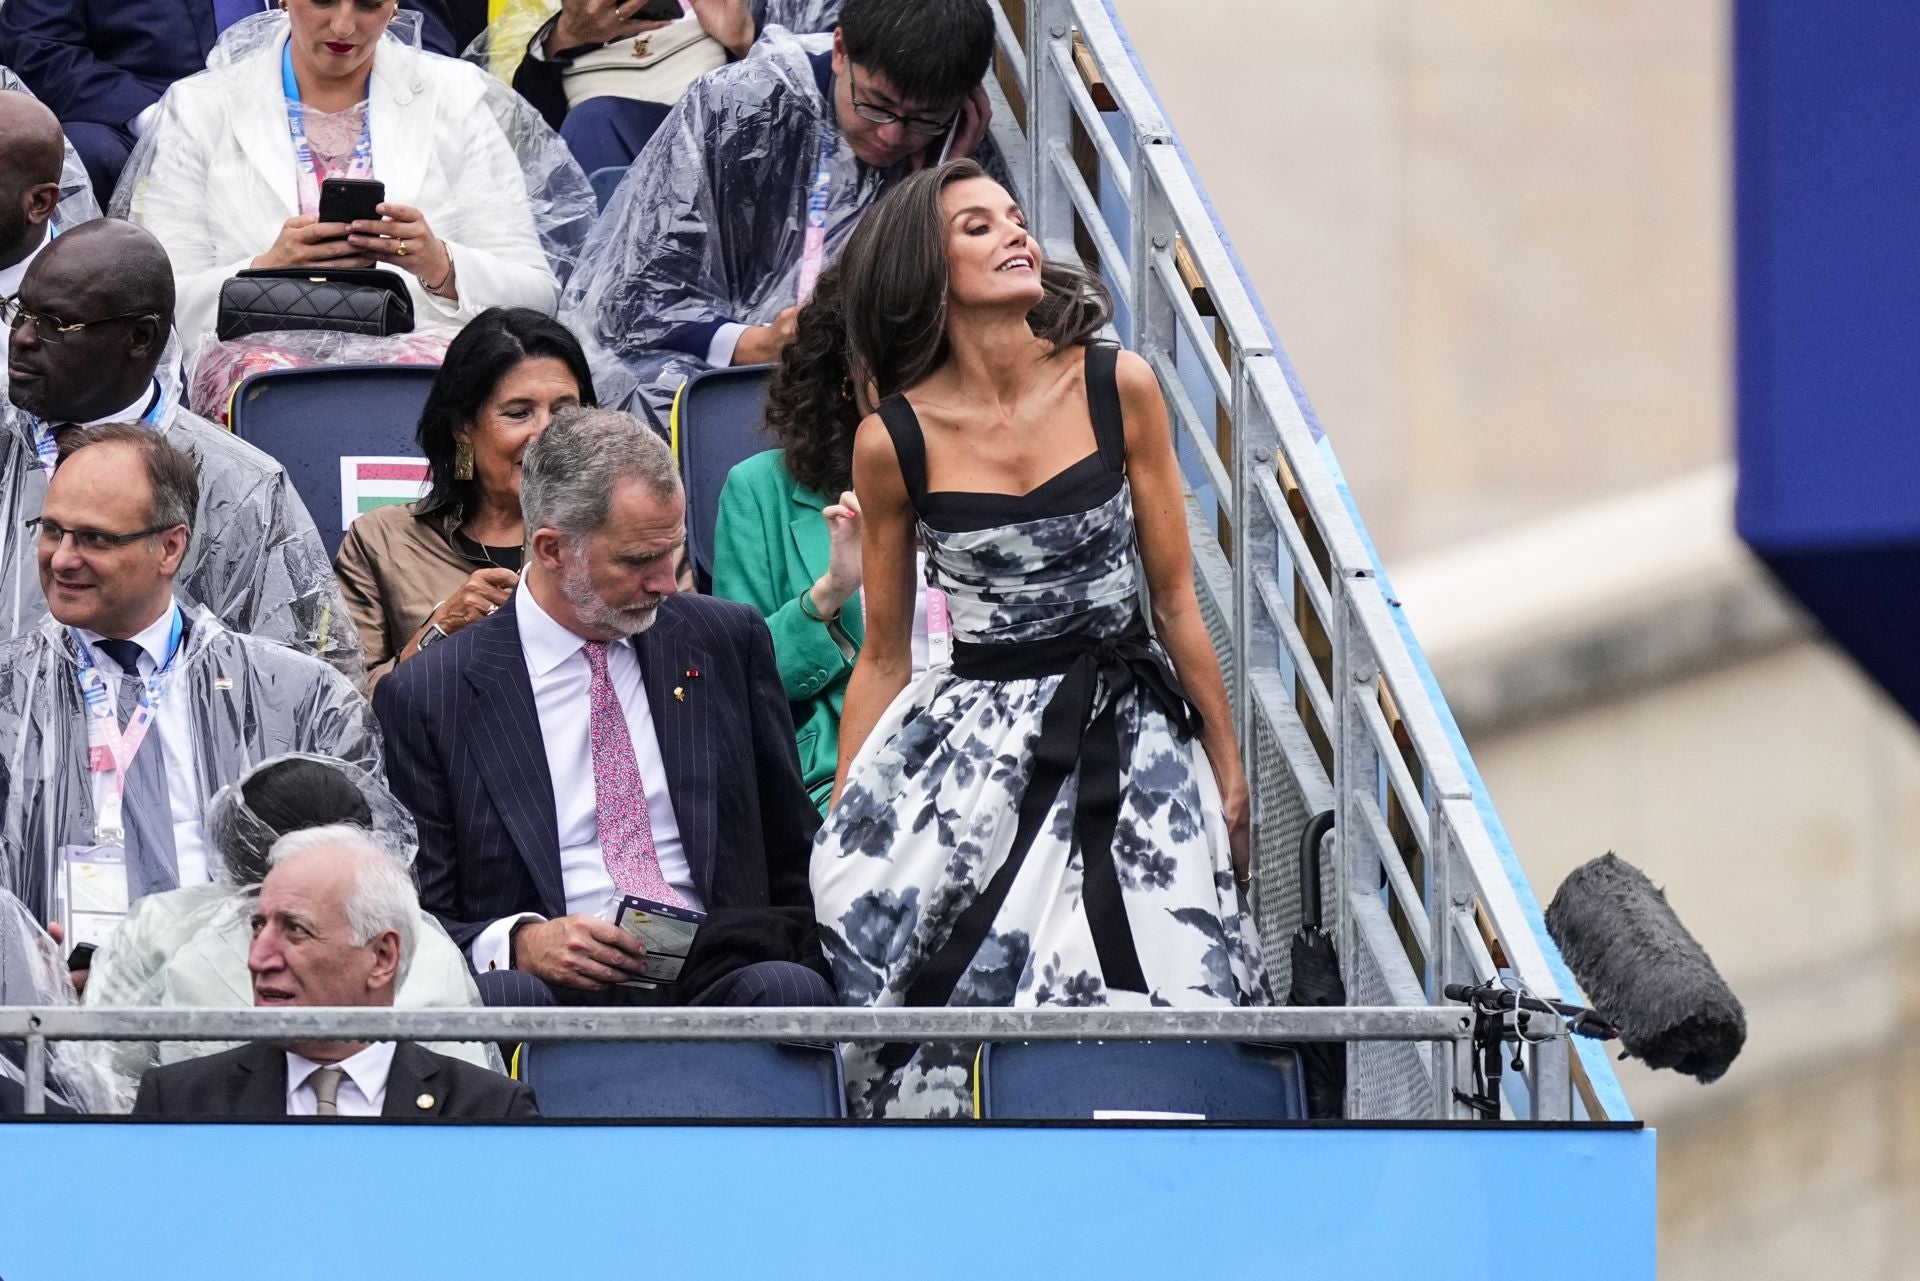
(894, 280)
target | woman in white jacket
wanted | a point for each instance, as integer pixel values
(484, 207)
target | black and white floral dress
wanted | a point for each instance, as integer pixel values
(1037, 824)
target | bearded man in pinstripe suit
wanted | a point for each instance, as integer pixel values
(602, 735)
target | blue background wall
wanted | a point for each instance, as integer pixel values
(1827, 206)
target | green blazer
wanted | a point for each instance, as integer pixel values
(769, 546)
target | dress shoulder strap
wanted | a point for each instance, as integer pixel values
(1103, 404)
(903, 425)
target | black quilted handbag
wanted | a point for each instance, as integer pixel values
(366, 301)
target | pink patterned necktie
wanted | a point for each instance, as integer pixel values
(620, 795)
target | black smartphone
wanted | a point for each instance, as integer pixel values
(351, 199)
(660, 11)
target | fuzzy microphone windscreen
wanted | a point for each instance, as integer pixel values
(1643, 972)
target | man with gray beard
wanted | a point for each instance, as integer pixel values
(604, 737)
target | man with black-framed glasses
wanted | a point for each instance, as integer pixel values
(88, 327)
(757, 177)
(125, 710)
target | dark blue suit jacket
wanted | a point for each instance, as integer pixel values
(464, 753)
(106, 61)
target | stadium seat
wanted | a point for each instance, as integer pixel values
(1072, 1080)
(309, 419)
(685, 1079)
(718, 425)
(604, 181)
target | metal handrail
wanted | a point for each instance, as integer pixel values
(1429, 847)
(722, 1023)
(39, 1026)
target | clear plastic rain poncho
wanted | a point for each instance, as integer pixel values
(247, 700)
(255, 558)
(77, 204)
(187, 948)
(33, 971)
(223, 366)
(710, 224)
(215, 176)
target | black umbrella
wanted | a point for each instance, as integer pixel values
(1316, 979)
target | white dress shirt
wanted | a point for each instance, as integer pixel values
(560, 677)
(172, 733)
(362, 1093)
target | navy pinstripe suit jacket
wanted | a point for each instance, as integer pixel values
(464, 753)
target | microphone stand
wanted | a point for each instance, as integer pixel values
(1497, 1007)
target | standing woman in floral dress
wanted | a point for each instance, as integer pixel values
(1060, 817)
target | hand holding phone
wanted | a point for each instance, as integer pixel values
(305, 241)
(351, 199)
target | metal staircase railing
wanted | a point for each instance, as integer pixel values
(1332, 702)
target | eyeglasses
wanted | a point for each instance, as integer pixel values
(91, 540)
(52, 329)
(881, 116)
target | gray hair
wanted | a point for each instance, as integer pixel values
(568, 476)
(383, 896)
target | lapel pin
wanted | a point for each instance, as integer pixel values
(693, 673)
(680, 693)
(223, 682)
(424, 1102)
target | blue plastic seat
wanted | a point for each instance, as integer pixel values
(604, 181)
(685, 1079)
(720, 418)
(309, 419)
(1072, 1080)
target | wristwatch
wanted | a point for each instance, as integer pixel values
(432, 636)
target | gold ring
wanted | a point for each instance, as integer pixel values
(403, 249)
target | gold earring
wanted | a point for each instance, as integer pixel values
(462, 460)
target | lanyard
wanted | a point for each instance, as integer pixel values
(308, 175)
(813, 255)
(47, 446)
(110, 749)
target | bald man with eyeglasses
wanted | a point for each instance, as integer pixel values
(89, 327)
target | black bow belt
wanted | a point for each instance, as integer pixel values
(1070, 735)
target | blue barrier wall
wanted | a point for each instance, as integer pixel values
(347, 1200)
(1827, 201)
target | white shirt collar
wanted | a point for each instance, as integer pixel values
(153, 641)
(10, 277)
(367, 1069)
(132, 413)
(545, 642)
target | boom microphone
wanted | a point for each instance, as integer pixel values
(1643, 972)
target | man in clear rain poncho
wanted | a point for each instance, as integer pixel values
(90, 325)
(123, 713)
(756, 179)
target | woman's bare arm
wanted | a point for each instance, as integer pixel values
(886, 550)
(1159, 511)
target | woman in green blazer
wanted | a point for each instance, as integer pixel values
(782, 545)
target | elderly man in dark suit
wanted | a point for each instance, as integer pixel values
(599, 737)
(102, 65)
(334, 926)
